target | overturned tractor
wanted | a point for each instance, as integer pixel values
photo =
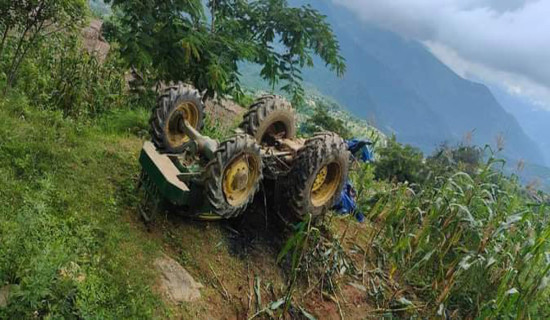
(206, 179)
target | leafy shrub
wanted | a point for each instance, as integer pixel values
(459, 158)
(61, 75)
(321, 120)
(25, 25)
(401, 163)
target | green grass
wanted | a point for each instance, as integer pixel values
(68, 247)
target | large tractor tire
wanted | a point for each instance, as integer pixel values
(318, 176)
(175, 104)
(233, 177)
(269, 117)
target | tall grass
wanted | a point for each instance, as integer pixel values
(470, 246)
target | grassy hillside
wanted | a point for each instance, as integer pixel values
(69, 247)
(73, 243)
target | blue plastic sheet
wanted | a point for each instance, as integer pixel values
(347, 204)
(362, 151)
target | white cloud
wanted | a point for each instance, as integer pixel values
(503, 41)
(515, 84)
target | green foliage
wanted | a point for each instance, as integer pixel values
(173, 41)
(245, 100)
(24, 25)
(67, 250)
(400, 163)
(61, 75)
(296, 247)
(476, 246)
(462, 158)
(321, 120)
(468, 246)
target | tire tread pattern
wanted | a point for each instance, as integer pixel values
(261, 109)
(166, 102)
(214, 170)
(315, 153)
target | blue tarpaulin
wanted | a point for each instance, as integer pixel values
(347, 204)
(362, 151)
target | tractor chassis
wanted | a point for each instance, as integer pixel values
(175, 179)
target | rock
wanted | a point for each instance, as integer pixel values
(176, 282)
(224, 112)
(93, 40)
(4, 295)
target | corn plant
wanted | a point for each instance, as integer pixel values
(471, 246)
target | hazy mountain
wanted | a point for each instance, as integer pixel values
(403, 88)
(535, 121)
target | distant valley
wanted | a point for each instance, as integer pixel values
(401, 87)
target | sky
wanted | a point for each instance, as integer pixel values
(500, 42)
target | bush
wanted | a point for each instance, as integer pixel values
(448, 159)
(400, 163)
(323, 121)
(61, 75)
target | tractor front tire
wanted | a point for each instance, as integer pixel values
(233, 177)
(317, 176)
(176, 103)
(268, 117)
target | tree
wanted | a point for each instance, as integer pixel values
(177, 40)
(321, 120)
(7, 21)
(31, 21)
(461, 157)
(400, 163)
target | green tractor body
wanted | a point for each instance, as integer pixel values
(166, 177)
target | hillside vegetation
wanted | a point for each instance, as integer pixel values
(446, 236)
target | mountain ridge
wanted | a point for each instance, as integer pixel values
(409, 92)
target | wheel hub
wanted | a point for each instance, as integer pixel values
(238, 180)
(325, 184)
(185, 111)
(320, 179)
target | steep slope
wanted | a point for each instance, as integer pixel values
(534, 121)
(401, 85)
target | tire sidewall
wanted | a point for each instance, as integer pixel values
(167, 104)
(281, 115)
(335, 157)
(215, 171)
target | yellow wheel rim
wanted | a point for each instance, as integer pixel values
(326, 184)
(186, 110)
(239, 178)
